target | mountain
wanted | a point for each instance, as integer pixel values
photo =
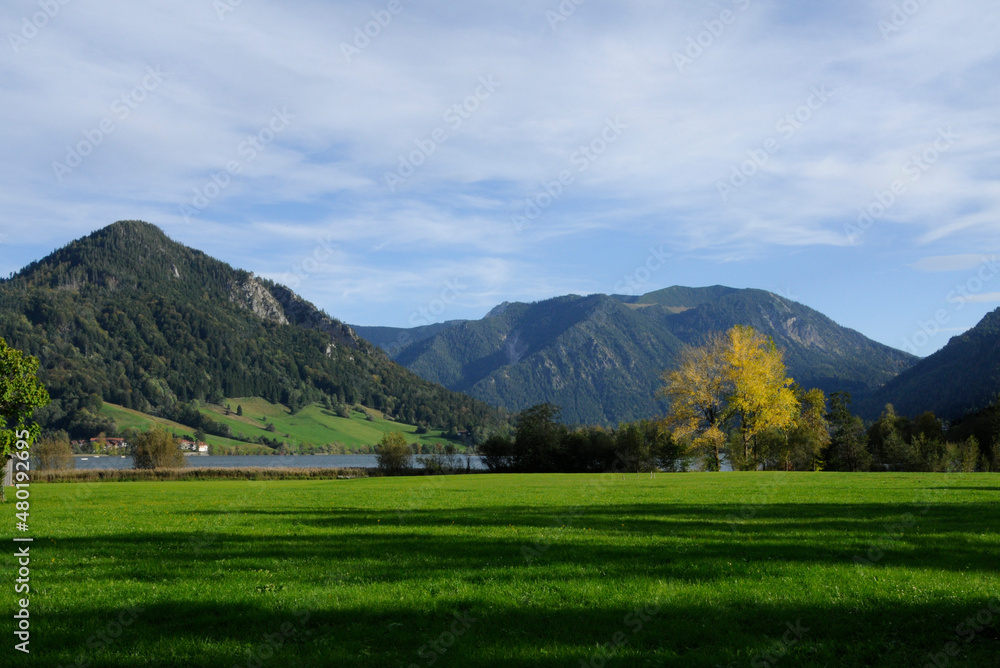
(962, 376)
(600, 357)
(392, 339)
(127, 315)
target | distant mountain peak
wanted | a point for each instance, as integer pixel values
(601, 357)
(498, 310)
(129, 315)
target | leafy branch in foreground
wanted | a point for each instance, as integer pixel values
(20, 394)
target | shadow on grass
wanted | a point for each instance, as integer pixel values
(943, 536)
(543, 594)
(486, 633)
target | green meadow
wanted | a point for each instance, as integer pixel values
(313, 425)
(713, 570)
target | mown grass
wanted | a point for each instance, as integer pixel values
(869, 569)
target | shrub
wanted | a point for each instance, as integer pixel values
(442, 464)
(54, 452)
(498, 453)
(157, 449)
(394, 455)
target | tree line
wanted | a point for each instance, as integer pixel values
(732, 404)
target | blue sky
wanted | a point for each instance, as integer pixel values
(845, 155)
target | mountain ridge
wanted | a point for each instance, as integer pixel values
(600, 356)
(963, 376)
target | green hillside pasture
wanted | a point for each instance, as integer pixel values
(126, 417)
(701, 570)
(313, 424)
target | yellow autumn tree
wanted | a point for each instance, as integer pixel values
(697, 390)
(761, 396)
(737, 377)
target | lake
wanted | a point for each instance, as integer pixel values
(264, 461)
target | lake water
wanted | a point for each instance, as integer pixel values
(264, 461)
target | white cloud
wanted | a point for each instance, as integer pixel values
(952, 262)
(324, 174)
(984, 298)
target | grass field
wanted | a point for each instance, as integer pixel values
(705, 570)
(126, 417)
(313, 424)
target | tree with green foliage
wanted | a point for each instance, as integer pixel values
(393, 454)
(20, 394)
(538, 439)
(668, 453)
(633, 450)
(808, 436)
(54, 452)
(647, 446)
(239, 410)
(157, 449)
(498, 453)
(848, 448)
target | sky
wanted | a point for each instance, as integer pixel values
(400, 162)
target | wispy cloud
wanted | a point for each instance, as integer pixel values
(984, 298)
(951, 262)
(748, 93)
